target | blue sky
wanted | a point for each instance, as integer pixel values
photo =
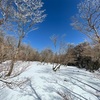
(57, 22)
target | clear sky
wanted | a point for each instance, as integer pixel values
(57, 22)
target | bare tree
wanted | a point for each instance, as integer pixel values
(54, 39)
(87, 20)
(59, 57)
(4, 10)
(62, 50)
(28, 53)
(46, 55)
(69, 55)
(2, 52)
(24, 15)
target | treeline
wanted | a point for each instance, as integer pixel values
(8, 45)
(83, 55)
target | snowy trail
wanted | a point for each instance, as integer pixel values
(45, 84)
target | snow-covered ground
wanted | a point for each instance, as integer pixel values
(45, 84)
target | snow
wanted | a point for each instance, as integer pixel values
(45, 84)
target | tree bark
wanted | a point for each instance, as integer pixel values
(14, 58)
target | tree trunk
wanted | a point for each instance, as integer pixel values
(14, 58)
(11, 68)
